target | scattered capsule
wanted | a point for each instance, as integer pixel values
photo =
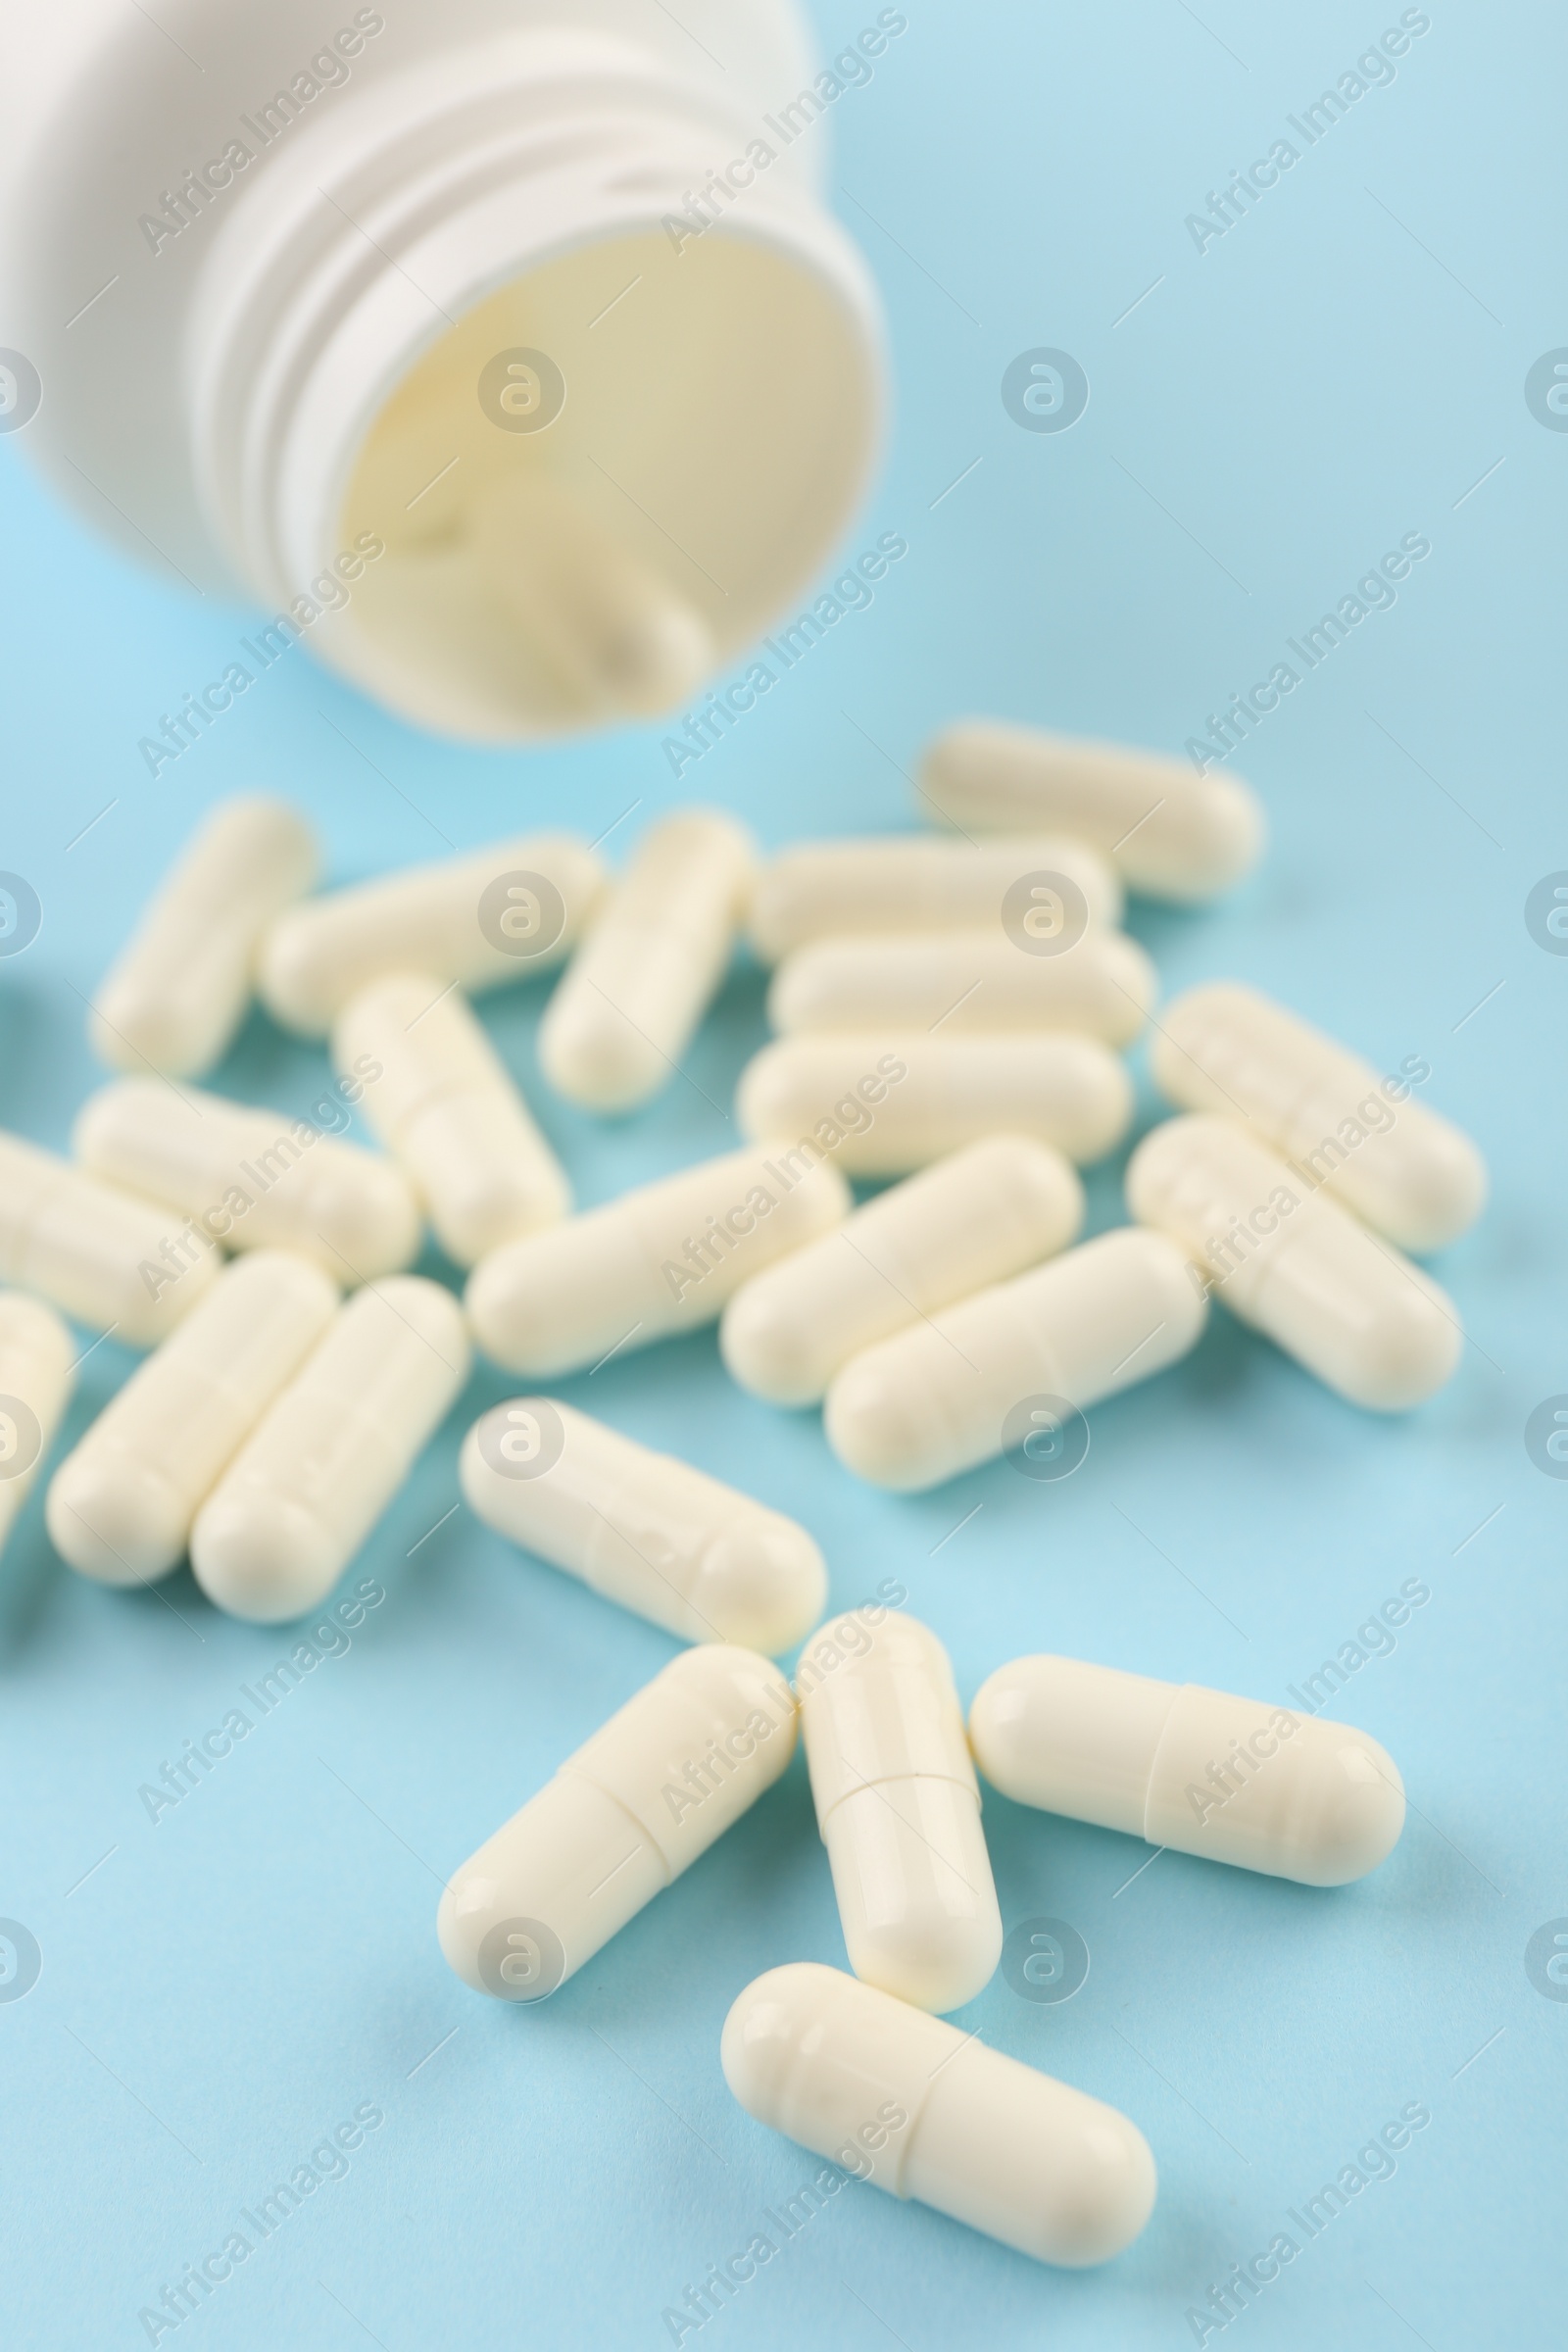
(917, 882)
(910, 2104)
(628, 1003)
(1235, 1780)
(105, 1257)
(122, 1503)
(642, 1529)
(634, 1807)
(1102, 985)
(252, 1179)
(899, 1808)
(1013, 1369)
(174, 997)
(661, 1260)
(974, 1219)
(37, 1373)
(494, 915)
(1229, 1049)
(331, 1451)
(886, 1104)
(1172, 832)
(1295, 1265)
(448, 1107)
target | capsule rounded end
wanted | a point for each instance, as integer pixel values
(1409, 1351)
(871, 1428)
(931, 1959)
(1360, 1813)
(288, 980)
(764, 2028)
(133, 1029)
(1435, 1190)
(767, 1349)
(1111, 2193)
(591, 1053)
(262, 1557)
(367, 1218)
(117, 1522)
(763, 1585)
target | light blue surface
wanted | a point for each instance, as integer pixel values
(228, 1984)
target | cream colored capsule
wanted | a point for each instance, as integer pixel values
(917, 882)
(642, 1529)
(1295, 1265)
(1013, 1369)
(1102, 985)
(974, 1219)
(108, 1258)
(1172, 832)
(445, 1104)
(636, 1805)
(253, 1179)
(331, 1451)
(885, 1103)
(899, 1808)
(1227, 1049)
(37, 1373)
(1235, 1780)
(493, 915)
(122, 1503)
(174, 997)
(661, 1260)
(627, 1006)
(910, 2104)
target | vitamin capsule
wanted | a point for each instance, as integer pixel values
(252, 1179)
(618, 637)
(494, 915)
(1102, 985)
(908, 882)
(1235, 1780)
(885, 1104)
(1227, 1049)
(974, 1219)
(630, 1000)
(37, 1373)
(641, 1528)
(1296, 1266)
(173, 996)
(661, 1260)
(996, 1373)
(1172, 832)
(915, 2107)
(105, 1257)
(634, 1807)
(121, 1503)
(331, 1451)
(899, 1808)
(447, 1105)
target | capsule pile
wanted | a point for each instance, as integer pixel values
(951, 1008)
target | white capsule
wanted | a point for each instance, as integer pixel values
(37, 1373)
(634, 1807)
(899, 1808)
(641, 1528)
(1102, 985)
(974, 1218)
(999, 1372)
(1173, 833)
(617, 637)
(661, 1260)
(1227, 1049)
(106, 1258)
(914, 2106)
(331, 1451)
(174, 995)
(448, 1107)
(629, 1001)
(889, 1102)
(252, 1179)
(494, 915)
(904, 882)
(1295, 1265)
(122, 1503)
(1236, 1779)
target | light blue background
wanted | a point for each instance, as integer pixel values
(1337, 371)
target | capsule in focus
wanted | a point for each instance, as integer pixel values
(108, 1258)
(909, 2103)
(37, 1373)
(1235, 1780)
(919, 882)
(1102, 985)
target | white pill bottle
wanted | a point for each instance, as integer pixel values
(510, 335)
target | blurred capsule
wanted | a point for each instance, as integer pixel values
(1102, 985)
(109, 1259)
(37, 1373)
(918, 882)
